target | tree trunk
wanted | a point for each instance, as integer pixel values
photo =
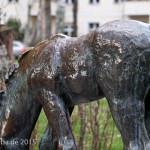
(82, 113)
(60, 16)
(33, 32)
(28, 30)
(75, 13)
(36, 30)
(42, 28)
(46, 19)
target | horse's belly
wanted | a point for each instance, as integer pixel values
(80, 100)
(82, 90)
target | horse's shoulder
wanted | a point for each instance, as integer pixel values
(27, 50)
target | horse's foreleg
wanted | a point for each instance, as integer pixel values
(58, 117)
(48, 140)
(18, 118)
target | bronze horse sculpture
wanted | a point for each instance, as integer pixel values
(61, 72)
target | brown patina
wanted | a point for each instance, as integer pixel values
(61, 72)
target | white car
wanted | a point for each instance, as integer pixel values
(18, 48)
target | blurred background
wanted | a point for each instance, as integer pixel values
(35, 20)
(24, 23)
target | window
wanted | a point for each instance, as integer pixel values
(93, 26)
(117, 1)
(69, 1)
(13, 1)
(68, 30)
(94, 1)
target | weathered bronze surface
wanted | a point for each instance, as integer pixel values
(6, 54)
(112, 61)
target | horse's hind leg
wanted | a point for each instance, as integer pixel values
(58, 117)
(128, 109)
(147, 113)
(48, 140)
(129, 118)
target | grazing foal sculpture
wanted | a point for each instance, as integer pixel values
(112, 61)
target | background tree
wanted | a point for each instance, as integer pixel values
(83, 123)
(60, 16)
(42, 28)
(16, 28)
(75, 16)
(33, 33)
(94, 128)
(46, 19)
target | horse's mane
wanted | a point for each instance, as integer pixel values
(8, 77)
(11, 73)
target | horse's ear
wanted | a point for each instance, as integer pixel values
(27, 50)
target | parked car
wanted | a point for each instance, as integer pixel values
(18, 48)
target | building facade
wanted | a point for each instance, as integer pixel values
(17, 9)
(91, 13)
